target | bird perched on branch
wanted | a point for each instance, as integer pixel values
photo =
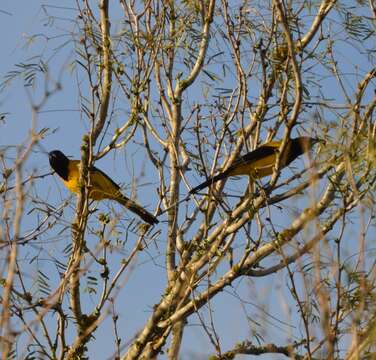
(101, 185)
(260, 162)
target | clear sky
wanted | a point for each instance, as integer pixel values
(62, 116)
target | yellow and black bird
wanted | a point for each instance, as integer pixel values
(260, 162)
(101, 185)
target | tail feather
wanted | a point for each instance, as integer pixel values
(209, 182)
(138, 210)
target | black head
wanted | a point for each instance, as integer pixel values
(304, 143)
(298, 147)
(59, 162)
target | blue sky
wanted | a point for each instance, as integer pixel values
(146, 280)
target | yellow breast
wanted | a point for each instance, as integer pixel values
(101, 186)
(73, 177)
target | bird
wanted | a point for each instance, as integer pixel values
(101, 185)
(261, 161)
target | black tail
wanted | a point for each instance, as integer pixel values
(209, 182)
(137, 209)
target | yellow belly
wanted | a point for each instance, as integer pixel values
(100, 187)
(73, 178)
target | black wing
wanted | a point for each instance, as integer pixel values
(249, 158)
(253, 156)
(95, 169)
